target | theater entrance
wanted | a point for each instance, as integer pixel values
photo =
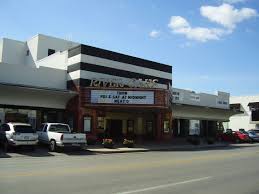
(114, 128)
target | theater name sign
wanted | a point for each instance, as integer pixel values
(121, 83)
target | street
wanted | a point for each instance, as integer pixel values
(223, 170)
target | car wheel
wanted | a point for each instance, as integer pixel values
(237, 140)
(52, 145)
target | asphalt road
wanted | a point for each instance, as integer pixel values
(226, 171)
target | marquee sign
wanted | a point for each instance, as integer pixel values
(121, 83)
(122, 97)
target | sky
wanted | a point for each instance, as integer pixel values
(212, 45)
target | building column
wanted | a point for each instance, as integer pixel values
(94, 122)
(159, 126)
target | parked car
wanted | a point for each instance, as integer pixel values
(255, 130)
(234, 136)
(17, 134)
(60, 135)
(253, 135)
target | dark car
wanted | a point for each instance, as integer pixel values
(253, 135)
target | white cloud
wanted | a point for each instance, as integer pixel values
(226, 15)
(154, 33)
(180, 25)
(233, 1)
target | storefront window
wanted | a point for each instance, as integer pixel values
(149, 127)
(87, 124)
(166, 127)
(194, 127)
(100, 122)
(130, 125)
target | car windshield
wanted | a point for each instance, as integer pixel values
(252, 132)
(23, 129)
(59, 128)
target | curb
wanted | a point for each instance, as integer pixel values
(180, 148)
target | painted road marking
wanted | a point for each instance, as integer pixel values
(166, 185)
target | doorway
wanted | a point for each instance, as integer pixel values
(116, 129)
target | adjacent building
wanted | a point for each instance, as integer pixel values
(199, 113)
(249, 113)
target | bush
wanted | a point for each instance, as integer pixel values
(128, 143)
(108, 143)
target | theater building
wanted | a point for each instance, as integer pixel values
(120, 94)
(46, 79)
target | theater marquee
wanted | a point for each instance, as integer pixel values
(122, 97)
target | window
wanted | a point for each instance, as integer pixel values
(23, 129)
(149, 127)
(100, 123)
(51, 51)
(87, 124)
(59, 128)
(255, 115)
(5, 127)
(130, 125)
(166, 127)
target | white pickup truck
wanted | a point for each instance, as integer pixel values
(60, 135)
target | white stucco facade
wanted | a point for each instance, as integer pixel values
(26, 65)
(243, 120)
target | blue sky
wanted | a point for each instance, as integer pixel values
(211, 44)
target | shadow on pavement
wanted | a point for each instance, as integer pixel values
(207, 147)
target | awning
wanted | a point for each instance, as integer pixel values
(184, 111)
(235, 106)
(253, 104)
(29, 96)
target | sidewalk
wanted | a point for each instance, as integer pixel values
(154, 147)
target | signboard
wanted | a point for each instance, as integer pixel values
(122, 97)
(121, 83)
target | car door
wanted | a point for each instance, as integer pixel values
(39, 132)
(43, 133)
(45, 137)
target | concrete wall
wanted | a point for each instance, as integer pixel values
(32, 46)
(181, 96)
(47, 42)
(57, 61)
(13, 52)
(243, 120)
(38, 77)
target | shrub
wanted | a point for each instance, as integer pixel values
(128, 143)
(108, 143)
